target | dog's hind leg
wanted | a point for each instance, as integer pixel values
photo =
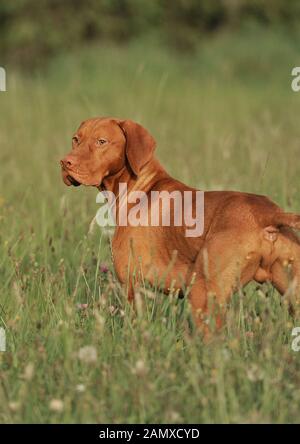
(286, 269)
(226, 262)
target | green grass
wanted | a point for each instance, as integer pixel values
(224, 118)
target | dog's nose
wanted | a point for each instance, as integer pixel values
(66, 162)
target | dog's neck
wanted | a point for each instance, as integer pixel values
(150, 174)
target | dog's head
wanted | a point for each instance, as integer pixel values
(101, 147)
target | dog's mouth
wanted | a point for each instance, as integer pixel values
(68, 179)
(73, 181)
(76, 179)
(101, 187)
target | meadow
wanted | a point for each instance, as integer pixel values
(224, 117)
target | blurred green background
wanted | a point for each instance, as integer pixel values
(212, 81)
(31, 31)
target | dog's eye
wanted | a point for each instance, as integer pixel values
(101, 141)
(75, 140)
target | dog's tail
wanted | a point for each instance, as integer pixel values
(291, 220)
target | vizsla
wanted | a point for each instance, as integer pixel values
(246, 236)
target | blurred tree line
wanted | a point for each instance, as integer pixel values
(34, 29)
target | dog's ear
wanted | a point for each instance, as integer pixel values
(140, 144)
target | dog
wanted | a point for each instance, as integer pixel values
(246, 237)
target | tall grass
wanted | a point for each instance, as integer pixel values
(225, 118)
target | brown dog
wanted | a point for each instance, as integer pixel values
(246, 237)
